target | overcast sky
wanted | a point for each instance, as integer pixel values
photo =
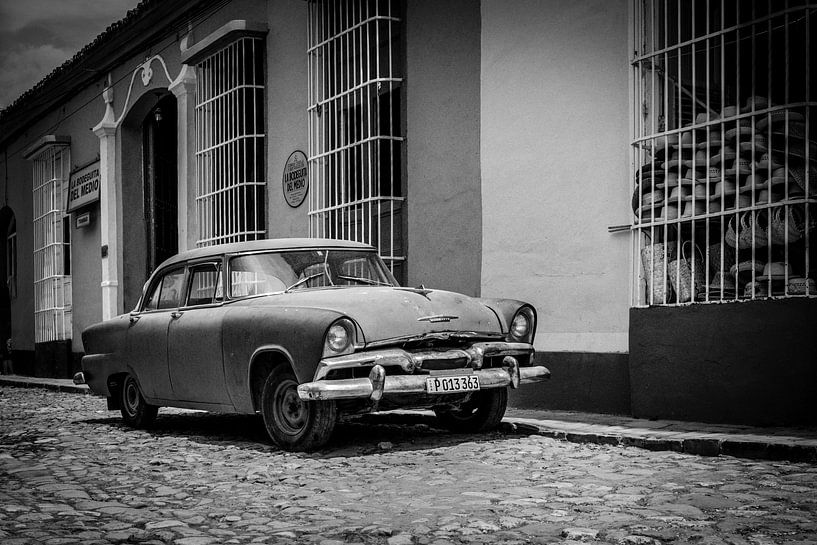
(36, 36)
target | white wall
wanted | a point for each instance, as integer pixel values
(287, 119)
(554, 150)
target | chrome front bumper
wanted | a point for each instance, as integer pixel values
(378, 383)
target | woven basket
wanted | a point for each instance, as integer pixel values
(752, 232)
(799, 176)
(653, 259)
(715, 252)
(731, 236)
(787, 220)
(686, 273)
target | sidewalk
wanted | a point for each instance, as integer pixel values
(58, 384)
(790, 443)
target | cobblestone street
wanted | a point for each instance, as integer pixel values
(72, 473)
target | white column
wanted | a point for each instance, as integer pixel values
(184, 89)
(109, 216)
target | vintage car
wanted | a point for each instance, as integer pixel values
(302, 330)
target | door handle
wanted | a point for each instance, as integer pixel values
(175, 314)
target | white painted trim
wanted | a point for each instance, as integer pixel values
(221, 37)
(44, 143)
(146, 69)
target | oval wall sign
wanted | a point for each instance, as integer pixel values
(296, 179)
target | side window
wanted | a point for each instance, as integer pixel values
(152, 300)
(172, 285)
(166, 292)
(205, 285)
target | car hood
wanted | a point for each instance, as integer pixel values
(385, 313)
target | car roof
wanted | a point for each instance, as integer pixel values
(260, 245)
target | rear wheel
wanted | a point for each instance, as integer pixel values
(135, 410)
(482, 412)
(292, 423)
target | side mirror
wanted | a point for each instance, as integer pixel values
(134, 316)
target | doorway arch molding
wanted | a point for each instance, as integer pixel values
(108, 130)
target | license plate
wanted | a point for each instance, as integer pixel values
(452, 384)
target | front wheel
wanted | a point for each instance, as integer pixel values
(292, 423)
(136, 412)
(483, 412)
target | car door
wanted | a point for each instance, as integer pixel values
(147, 334)
(195, 338)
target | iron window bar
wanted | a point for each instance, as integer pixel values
(776, 119)
(230, 144)
(355, 137)
(52, 286)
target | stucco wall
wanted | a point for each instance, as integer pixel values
(86, 273)
(287, 120)
(17, 195)
(442, 131)
(554, 166)
(74, 120)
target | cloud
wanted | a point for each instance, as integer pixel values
(15, 14)
(24, 67)
(36, 36)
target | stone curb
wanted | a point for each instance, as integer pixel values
(700, 446)
(704, 446)
(34, 383)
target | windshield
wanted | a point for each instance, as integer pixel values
(273, 272)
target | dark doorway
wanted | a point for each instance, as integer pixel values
(161, 197)
(8, 279)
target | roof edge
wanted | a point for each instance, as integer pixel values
(121, 40)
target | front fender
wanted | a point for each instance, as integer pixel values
(295, 333)
(505, 309)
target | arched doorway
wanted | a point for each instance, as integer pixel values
(148, 152)
(160, 183)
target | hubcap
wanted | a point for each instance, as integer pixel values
(131, 397)
(290, 412)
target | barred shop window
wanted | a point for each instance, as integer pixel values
(231, 184)
(724, 154)
(356, 150)
(52, 273)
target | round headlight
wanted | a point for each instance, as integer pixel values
(338, 338)
(520, 326)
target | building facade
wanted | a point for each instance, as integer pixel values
(640, 171)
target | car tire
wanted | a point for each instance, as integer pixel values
(292, 423)
(482, 412)
(136, 412)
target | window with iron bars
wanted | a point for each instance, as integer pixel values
(231, 183)
(52, 248)
(724, 151)
(355, 124)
